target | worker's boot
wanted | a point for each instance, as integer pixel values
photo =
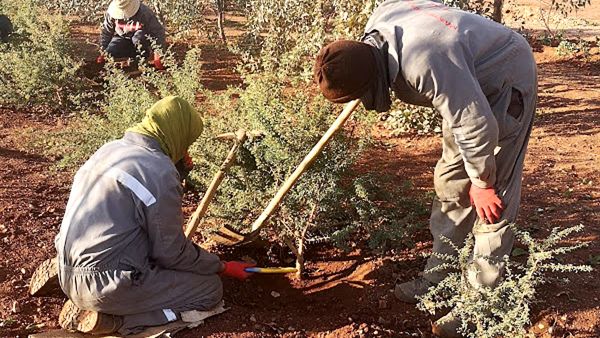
(73, 318)
(409, 291)
(446, 327)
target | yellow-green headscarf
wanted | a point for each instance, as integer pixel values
(173, 123)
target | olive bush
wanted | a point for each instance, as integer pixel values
(329, 202)
(122, 102)
(502, 311)
(38, 62)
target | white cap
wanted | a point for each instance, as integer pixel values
(123, 9)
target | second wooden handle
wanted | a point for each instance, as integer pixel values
(305, 164)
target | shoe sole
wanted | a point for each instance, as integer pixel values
(44, 281)
(72, 318)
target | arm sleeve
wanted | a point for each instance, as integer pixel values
(154, 28)
(106, 31)
(448, 79)
(170, 248)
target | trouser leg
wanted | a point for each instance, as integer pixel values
(180, 291)
(152, 298)
(141, 40)
(452, 216)
(120, 48)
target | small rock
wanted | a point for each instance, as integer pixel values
(563, 318)
(350, 320)
(541, 326)
(383, 303)
(23, 271)
(16, 308)
(252, 318)
(291, 328)
(375, 332)
(275, 294)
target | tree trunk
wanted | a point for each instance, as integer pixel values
(220, 4)
(497, 12)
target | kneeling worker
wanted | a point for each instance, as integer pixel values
(127, 31)
(124, 261)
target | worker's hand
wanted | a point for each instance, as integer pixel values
(488, 205)
(100, 59)
(156, 61)
(188, 163)
(236, 269)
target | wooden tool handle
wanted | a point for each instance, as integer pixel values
(240, 137)
(305, 164)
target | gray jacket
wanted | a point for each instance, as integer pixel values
(144, 23)
(463, 65)
(124, 218)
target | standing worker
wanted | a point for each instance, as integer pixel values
(481, 77)
(127, 31)
(124, 261)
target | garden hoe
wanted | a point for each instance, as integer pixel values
(239, 137)
(230, 237)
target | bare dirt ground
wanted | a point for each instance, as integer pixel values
(344, 294)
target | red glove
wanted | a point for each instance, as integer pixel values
(188, 163)
(100, 59)
(157, 62)
(236, 269)
(488, 205)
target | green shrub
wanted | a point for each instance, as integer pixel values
(570, 49)
(120, 105)
(292, 122)
(403, 118)
(502, 311)
(386, 213)
(38, 66)
(329, 201)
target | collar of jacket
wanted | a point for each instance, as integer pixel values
(142, 141)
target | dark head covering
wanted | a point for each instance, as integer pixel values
(345, 70)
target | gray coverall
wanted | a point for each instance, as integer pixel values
(121, 246)
(482, 78)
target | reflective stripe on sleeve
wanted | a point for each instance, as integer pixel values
(170, 315)
(133, 184)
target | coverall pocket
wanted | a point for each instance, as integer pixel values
(512, 122)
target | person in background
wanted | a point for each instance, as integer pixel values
(6, 28)
(481, 77)
(123, 259)
(127, 31)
